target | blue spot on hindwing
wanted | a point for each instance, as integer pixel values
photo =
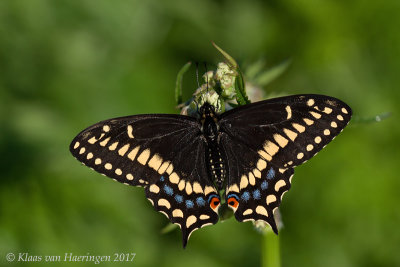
(245, 196)
(264, 185)
(200, 201)
(256, 194)
(189, 204)
(168, 190)
(271, 173)
(211, 197)
(179, 198)
(232, 195)
(162, 179)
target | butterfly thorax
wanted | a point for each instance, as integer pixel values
(214, 156)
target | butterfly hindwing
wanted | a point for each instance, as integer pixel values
(162, 153)
(265, 140)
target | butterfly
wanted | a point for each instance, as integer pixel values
(187, 165)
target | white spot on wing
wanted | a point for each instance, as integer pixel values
(155, 162)
(232, 188)
(289, 112)
(265, 155)
(163, 167)
(315, 114)
(190, 220)
(327, 110)
(129, 131)
(177, 213)
(271, 148)
(256, 173)
(154, 188)
(252, 179)
(244, 182)
(174, 178)
(197, 188)
(164, 203)
(144, 156)
(204, 217)
(108, 166)
(105, 141)
(270, 199)
(300, 128)
(308, 121)
(76, 145)
(279, 184)
(113, 146)
(209, 189)
(261, 210)
(133, 153)
(261, 164)
(247, 212)
(282, 141)
(292, 135)
(123, 150)
(92, 140)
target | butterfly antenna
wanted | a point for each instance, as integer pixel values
(197, 74)
(198, 86)
(205, 66)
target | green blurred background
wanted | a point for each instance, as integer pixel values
(65, 65)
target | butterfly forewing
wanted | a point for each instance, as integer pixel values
(265, 140)
(164, 154)
(287, 131)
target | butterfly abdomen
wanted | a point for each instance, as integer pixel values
(216, 165)
(214, 157)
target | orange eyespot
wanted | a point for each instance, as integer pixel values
(232, 201)
(214, 203)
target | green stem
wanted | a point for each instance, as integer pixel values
(270, 250)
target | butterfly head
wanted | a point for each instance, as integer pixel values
(207, 110)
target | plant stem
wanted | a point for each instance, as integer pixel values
(270, 250)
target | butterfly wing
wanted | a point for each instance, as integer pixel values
(162, 153)
(274, 136)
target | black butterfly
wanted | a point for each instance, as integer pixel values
(184, 162)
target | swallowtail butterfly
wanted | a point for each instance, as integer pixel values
(183, 162)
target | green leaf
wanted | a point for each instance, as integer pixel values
(269, 75)
(168, 228)
(230, 61)
(241, 96)
(254, 69)
(178, 86)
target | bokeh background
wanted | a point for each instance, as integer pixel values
(65, 65)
